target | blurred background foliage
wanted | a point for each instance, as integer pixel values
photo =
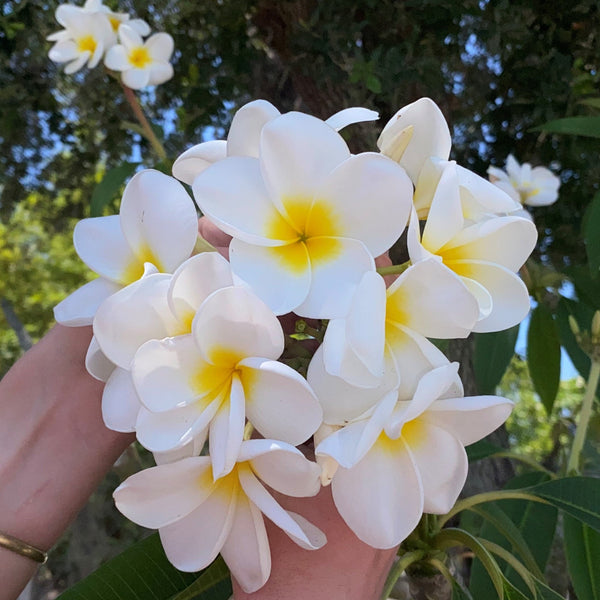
(496, 68)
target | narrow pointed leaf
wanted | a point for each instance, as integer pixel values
(108, 189)
(590, 235)
(583, 315)
(543, 355)
(586, 126)
(582, 548)
(492, 355)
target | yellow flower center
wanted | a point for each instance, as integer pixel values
(87, 43)
(140, 57)
(114, 23)
(308, 229)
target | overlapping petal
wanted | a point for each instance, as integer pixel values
(78, 308)
(120, 402)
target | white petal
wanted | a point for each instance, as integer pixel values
(164, 494)
(351, 443)
(415, 133)
(78, 309)
(356, 344)
(246, 550)
(381, 510)
(279, 402)
(227, 430)
(342, 402)
(101, 245)
(166, 431)
(477, 290)
(469, 419)
(192, 448)
(96, 363)
(246, 126)
(297, 152)
(337, 266)
(442, 463)
(429, 298)
(129, 37)
(308, 539)
(194, 281)
(170, 373)
(282, 467)
(139, 26)
(132, 316)
(64, 50)
(159, 219)
(510, 298)
(232, 194)
(445, 217)
(507, 241)
(120, 402)
(370, 198)
(160, 47)
(193, 542)
(136, 79)
(160, 72)
(197, 158)
(233, 324)
(116, 59)
(280, 276)
(350, 116)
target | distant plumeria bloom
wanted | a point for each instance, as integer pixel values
(157, 226)
(225, 371)
(116, 19)
(533, 187)
(82, 42)
(307, 218)
(199, 516)
(485, 254)
(140, 62)
(244, 137)
(408, 456)
(414, 134)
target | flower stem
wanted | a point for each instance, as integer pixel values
(394, 269)
(403, 563)
(584, 418)
(149, 134)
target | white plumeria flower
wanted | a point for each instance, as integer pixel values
(244, 137)
(415, 133)
(140, 62)
(198, 516)
(157, 224)
(533, 187)
(83, 41)
(225, 371)
(155, 307)
(479, 198)
(307, 218)
(427, 300)
(485, 255)
(116, 19)
(408, 457)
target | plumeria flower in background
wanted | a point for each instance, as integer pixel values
(199, 516)
(244, 137)
(141, 63)
(306, 217)
(536, 186)
(82, 42)
(116, 19)
(408, 456)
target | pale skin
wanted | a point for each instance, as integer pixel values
(55, 449)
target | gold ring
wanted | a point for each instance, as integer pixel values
(23, 548)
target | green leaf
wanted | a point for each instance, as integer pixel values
(109, 187)
(590, 235)
(543, 355)
(579, 497)
(491, 357)
(586, 126)
(481, 449)
(583, 315)
(450, 537)
(593, 102)
(143, 572)
(458, 593)
(582, 548)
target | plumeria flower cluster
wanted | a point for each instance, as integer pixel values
(536, 186)
(197, 363)
(93, 32)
